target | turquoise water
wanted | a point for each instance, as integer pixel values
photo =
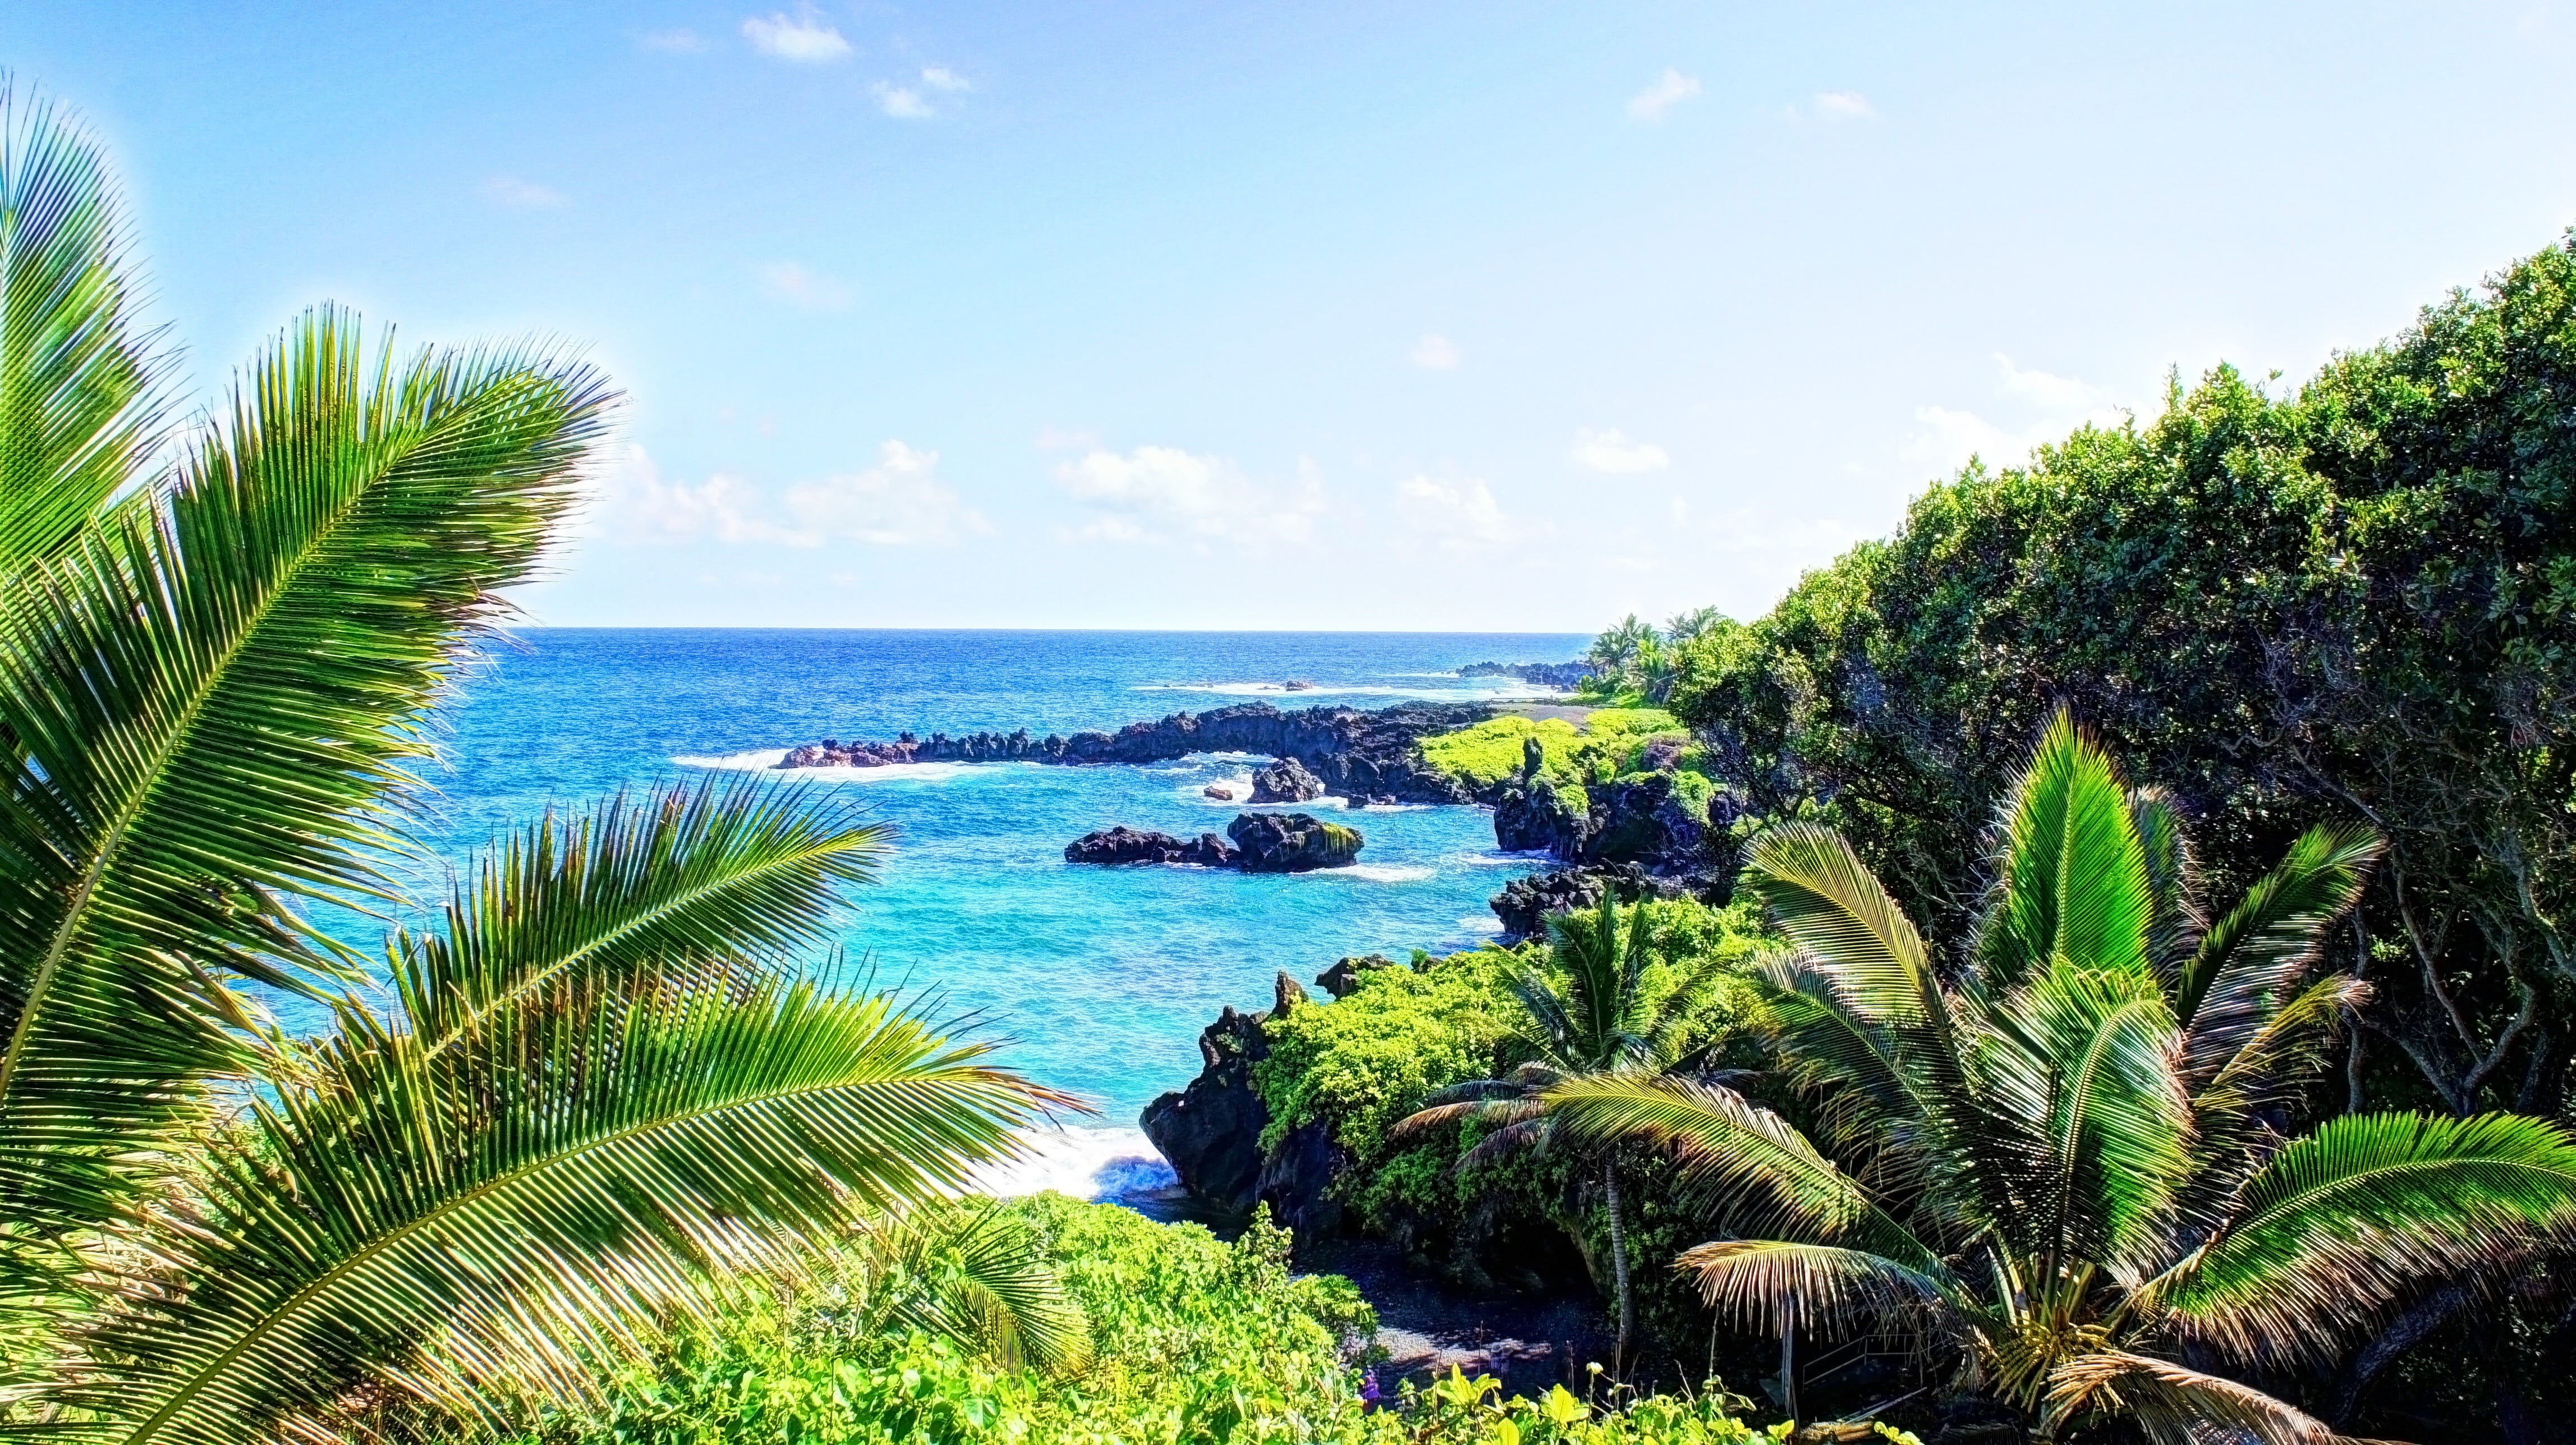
(1098, 979)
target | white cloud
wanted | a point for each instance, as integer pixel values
(2054, 405)
(631, 502)
(808, 38)
(511, 191)
(1435, 352)
(901, 103)
(1670, 89)
(1844, 105)
(1460, 514)
(899, 502)
(672, 42)
(1609, 451)
(940, 77)
(810, 289)
(1154, 494)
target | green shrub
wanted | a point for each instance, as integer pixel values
(1609, 742)
(1195, 1340)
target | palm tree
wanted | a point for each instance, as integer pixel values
(1685, 628)
(1603, 1011)
(1614, 653)
(2062, 1166)
(603, 1082)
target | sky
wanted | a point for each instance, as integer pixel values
(1385, 315)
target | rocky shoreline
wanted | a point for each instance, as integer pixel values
(1360, 755)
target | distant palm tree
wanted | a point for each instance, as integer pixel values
(1614, 652)
(1684, 628)
(600, 1083)
(1601, 1011)
(2061, 1168)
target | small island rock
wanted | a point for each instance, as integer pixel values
(1123, 844)
(1293, 842)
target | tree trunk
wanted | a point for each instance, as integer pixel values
(1618, 1266)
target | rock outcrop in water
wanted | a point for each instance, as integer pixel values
(1293, 842)
(1263, 843)
(1286, 781)
(1366, 756)
(1123, 844)
(1210, 1130)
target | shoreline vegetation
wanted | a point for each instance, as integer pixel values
(2089, 967)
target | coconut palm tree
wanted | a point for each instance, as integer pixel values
(1601, 1011)
(2063, 1168)
(600, 1084)
(1615, 652)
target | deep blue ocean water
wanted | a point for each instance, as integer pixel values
(1098, 979)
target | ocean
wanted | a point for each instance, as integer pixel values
(1095, 980)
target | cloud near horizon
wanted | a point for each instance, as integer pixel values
(806, 39)
(1946, 437)
(1160, 494)
(899, 502)
(1458, 514)
(512, 191)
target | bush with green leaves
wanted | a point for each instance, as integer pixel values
(1608, 744)
(1191, 1339)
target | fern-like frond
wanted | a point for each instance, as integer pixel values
(2344, 1222)
(1824, 898)
(81, 399)
(965, 1271)
(1775, 1285)
(2174, 1405)
(613, 1152)
(2072, 875)
(213, 703)
(682, 881)
(2263, 951)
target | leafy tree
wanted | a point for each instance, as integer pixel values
(603, 1081)
(2064, 1165)
(1603, 1010)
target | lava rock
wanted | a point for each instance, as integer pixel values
(1123, 844)
(1525, 903)
(1286, 781)
(1292, 842)
(1343, 978)
(1218, 791)
(1210, 1130)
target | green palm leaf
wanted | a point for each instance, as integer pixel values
(2086, 1074)
(2175, 1405)
(2343, 1222)
(2262, 951)
(80, 394)
(1823, 897)
(1776, 1286)
(974, 1275)
(510, 1201)
(715, 876)
(2073, 881)
(1745, 1166)
(213, 704)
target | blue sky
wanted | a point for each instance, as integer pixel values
(1472, 316)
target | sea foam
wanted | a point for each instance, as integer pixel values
(1110, 1165)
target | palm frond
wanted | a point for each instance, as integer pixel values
(1853, 1070)
(1744, 1167)
(1824, 898)
(710, 878)
(2072, 879)
(2263, 950)
(2086, 1074)
(2344, 1222)
(213, 704)
(2173, 881)
(609, 1153)
(2174, 1405)
(2270, 1072)
(1776, 1285)
(81, 394)
(972, 1274)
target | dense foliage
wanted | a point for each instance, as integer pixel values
(1193, 1340)
(2354, 601)
(2060, 1171)
(599, 1085)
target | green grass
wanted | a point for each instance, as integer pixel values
(1609, 743)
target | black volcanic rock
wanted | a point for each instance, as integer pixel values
(1293, 842)
(1525, 903)
(1123, 844)
(1545, 674)
(1286, 781)
(1210, 1130)
(1356, 753)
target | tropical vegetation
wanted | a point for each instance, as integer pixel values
(585, 1097)
(1605, 1007)
(2058, 1164)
